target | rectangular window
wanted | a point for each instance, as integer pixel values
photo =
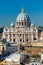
(20, 40)
(27, 40)
(13, 40)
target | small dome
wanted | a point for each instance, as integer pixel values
(22, 16)
(32, 25)
(11, 24)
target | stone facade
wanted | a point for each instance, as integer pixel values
(22, 32)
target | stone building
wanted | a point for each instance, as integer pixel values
(22, 32)
(3, 48)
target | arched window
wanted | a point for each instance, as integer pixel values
(20, 40)
(3, 48)
(13, 40)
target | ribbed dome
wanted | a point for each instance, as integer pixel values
(22, 17)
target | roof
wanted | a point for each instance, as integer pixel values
(13, 57)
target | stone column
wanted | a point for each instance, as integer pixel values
(3, 35)
(8, 39)
(32, 38)
(12, 38)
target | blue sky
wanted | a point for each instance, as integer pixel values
(9, 9)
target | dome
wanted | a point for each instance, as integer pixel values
(22, 16)
(23, 19)
(11, 24)
(32, 25)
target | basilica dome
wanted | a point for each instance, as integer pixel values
(23, 18)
